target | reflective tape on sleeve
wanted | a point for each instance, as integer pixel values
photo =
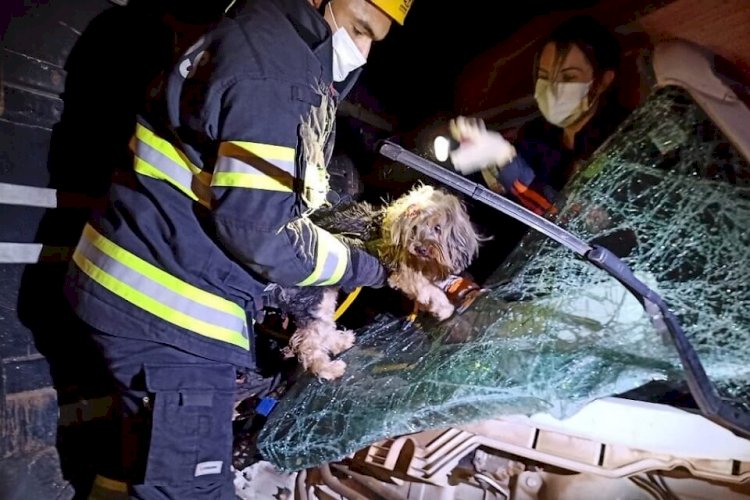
(331, 260)
(159, 159)
(255, 166)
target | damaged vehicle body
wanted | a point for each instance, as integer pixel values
(558, 380)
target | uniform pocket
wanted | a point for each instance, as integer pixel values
(191, 428)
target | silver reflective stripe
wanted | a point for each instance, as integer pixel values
(176, 172)
(31, 253)
(331, 260)
(329, 268)
(242, 165)
(28, 196)
(160, 293)
(20, 253)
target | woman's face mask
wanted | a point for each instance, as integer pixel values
(564, 84)
(346, 55)
(562, 103)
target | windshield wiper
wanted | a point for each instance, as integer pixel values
(701, 388)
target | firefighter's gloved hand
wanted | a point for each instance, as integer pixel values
(478, 147)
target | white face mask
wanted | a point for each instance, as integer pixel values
(562, 103)
(346, 55)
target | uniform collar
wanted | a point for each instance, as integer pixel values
(314, 30)
(308, 22)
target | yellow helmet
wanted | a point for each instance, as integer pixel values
(396, 9)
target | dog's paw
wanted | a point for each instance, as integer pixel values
(443, 311)
(287, 353)
(343, 342)
(332, 370)
(393, 281)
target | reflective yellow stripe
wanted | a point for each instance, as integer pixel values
(145, 168)
(255, 166)
(156, 308)
(159, 159)
(110, 484)
(342, 255)
(242, 164)
(252, 181)
(165, 147)
(270, 152)
(330, 261)
(176, 285)
(158, 292)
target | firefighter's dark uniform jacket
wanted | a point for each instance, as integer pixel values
(229, 156)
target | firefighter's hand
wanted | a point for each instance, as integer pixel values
(478, 147)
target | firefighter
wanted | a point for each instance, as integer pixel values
(229, 158)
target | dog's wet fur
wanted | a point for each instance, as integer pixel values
(422, 238)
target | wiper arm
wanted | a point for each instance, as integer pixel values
(701, 388)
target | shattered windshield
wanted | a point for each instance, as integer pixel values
(669, 195)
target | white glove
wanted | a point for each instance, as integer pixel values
(478, 147)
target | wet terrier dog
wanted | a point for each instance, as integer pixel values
(422, 238)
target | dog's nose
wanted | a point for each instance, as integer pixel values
(422, 251)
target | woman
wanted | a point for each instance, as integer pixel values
(576, 94)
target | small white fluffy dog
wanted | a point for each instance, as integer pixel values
(422, 238)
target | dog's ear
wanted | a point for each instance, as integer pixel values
(462, 240)
(392, 233)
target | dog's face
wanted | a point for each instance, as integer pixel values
(429, 229)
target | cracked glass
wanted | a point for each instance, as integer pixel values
(669, 195)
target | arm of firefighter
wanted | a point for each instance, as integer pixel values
(256, 210)
(519, 179)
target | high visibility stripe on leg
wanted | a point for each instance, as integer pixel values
(104, 488)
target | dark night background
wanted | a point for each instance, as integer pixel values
(413, 71)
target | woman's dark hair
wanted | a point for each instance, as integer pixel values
(595, 40)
